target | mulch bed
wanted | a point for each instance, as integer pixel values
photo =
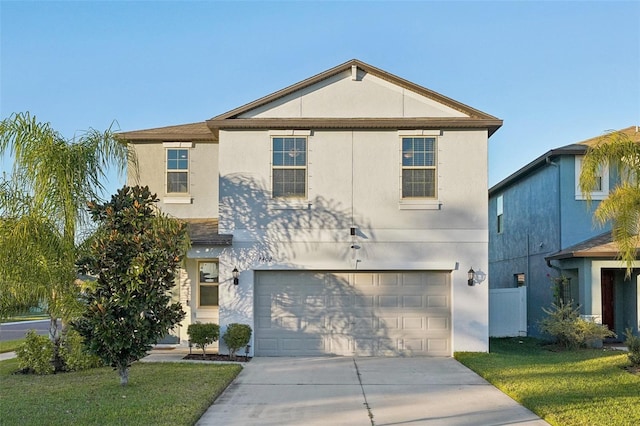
(217, 357)
(633, 369)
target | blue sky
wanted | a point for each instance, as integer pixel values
(555, 72)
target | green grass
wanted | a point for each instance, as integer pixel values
(584, 387)
(157, 394)
(26, 317)
(10, 345)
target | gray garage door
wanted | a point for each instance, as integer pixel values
(364, 313)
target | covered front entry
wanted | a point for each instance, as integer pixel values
(302, 313)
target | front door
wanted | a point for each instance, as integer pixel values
(607, 285)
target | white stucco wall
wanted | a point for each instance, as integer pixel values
(341, 96)
(202, 199)
(354, 180)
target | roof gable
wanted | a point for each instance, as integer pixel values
(330, 101)
(632, 132)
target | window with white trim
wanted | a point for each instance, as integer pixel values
(419, 167)
(289, 167)
(177, 170)
(208, 283)
(602, 188)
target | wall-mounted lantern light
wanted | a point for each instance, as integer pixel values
(471, 275)
(236, 276)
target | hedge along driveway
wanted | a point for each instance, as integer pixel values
(583, 387)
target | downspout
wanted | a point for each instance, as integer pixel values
(551, 163)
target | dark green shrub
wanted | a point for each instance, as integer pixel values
(35, 354)
(570, 331)
(202, 335)
(74, 354)
(135, 254)
(633, 344)
(236, 337)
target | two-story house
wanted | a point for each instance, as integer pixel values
(340, 215)
(541, 227)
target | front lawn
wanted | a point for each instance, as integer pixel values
(584, 387)
(157, 394)
(10, 345)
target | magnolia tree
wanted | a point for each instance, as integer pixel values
(135, 255)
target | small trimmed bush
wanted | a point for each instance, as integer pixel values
(35, 355)
(202, 335)
(74, 354)
(237, 336)
(633, 343)
(570, 331)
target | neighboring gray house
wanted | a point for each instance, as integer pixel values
(541, 227)
(352, 206)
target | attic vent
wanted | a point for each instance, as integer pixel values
(354, 72)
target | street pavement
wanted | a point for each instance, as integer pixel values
(17, 330)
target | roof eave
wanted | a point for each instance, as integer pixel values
(222, 240)
(491, 125)
(536, 164)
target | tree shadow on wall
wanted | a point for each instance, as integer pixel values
(246, 205)
(321, 314)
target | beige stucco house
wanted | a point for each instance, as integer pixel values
(352, 204)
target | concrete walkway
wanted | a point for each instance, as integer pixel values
(363, 391)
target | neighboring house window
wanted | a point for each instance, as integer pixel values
(177, 170)
(519, 279)
(289, 174)
(418, 167)
(499, 215)
(208, 283)
(602, 188)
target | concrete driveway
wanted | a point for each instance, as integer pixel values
(363, 391)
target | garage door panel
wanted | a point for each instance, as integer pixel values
(409, 323)
(388, 279)
(384, 314)
(437, 323)
(412, 301)
(437, 301)
(388, 301)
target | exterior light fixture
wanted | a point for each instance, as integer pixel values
(236, 274)
(471, 275)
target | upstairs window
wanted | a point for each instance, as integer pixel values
(289, 167)
(601, 191)
(418, 167)
(177, 170)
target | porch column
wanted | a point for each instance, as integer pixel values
(592, 308)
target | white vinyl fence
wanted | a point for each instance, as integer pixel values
(508, 312)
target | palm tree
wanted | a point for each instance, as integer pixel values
(620, 150)
(43, 204)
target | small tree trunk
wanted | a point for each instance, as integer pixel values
(123, 371)
(54, 333)
(54, 336)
